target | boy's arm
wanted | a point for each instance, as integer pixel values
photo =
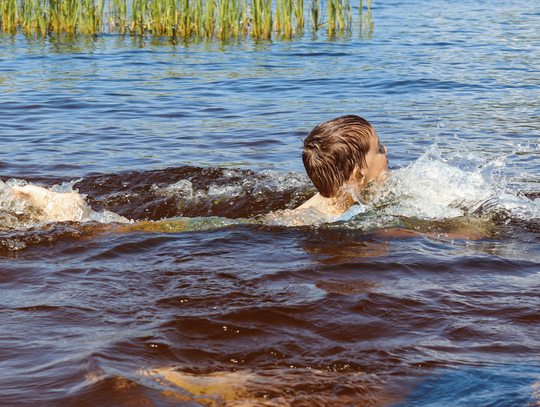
(66, 206)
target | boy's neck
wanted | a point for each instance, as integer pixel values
(334, 206)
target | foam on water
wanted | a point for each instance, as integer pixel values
(182, 188)
(438, 188)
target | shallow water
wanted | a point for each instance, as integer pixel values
(389, 306)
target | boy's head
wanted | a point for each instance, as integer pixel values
(341, 148)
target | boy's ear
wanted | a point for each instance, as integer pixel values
(356, 174)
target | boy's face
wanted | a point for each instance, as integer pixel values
(376, 162)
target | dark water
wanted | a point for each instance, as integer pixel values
(388, 307)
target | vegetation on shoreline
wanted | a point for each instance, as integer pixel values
(182, 18)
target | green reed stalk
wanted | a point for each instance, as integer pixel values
(279, 20)
(43, 24)
(260, 19)
(156, 16)
(223, 7)
(185, 18)
(236, 17)
(118, 16)
(39, 21)
(170, 18)
(299, 13)
(109, 14)
(267, 18)
(63, 15)
(369, 21)
(209, 10)
(246, 20)
(256, 18)
(315, 15)
(174, 17)
(69, 12)
(27, 16)
(84, 18)
(183, 23)
(98, 17)
(143, 16)
(286, 15)
(232, 16)
(340, 17)
(349, 15)
(242, 17)
(163, 17)
(360, 10)
(158, 22)
(331, 16)
(135, 13)
(343, 14)
(197, 11)
(9, 15)
(198, 17)
(53, 13)
(120, 12)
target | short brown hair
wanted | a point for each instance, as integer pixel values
(332, 150)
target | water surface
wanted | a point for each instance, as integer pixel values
(388, 307)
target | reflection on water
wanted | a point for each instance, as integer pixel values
(471, 386)
(272, 388)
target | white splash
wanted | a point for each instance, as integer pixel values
(433, 189)
(438, 188)
(182, 188)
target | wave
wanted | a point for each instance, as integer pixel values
(435, 193)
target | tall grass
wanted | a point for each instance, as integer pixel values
(339, 15)
(118, 15)
(32, 17)
(366, 23)
(221, 19)
(316, 14)
(9, 14)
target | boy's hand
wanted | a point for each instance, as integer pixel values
(36, 195)
(56, 206)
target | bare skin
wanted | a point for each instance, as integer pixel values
(56, 206)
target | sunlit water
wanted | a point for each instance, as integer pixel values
(177, 288)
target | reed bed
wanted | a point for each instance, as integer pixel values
(221, 19)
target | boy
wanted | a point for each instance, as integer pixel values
(341, 156)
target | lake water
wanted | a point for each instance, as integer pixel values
(389, 307)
